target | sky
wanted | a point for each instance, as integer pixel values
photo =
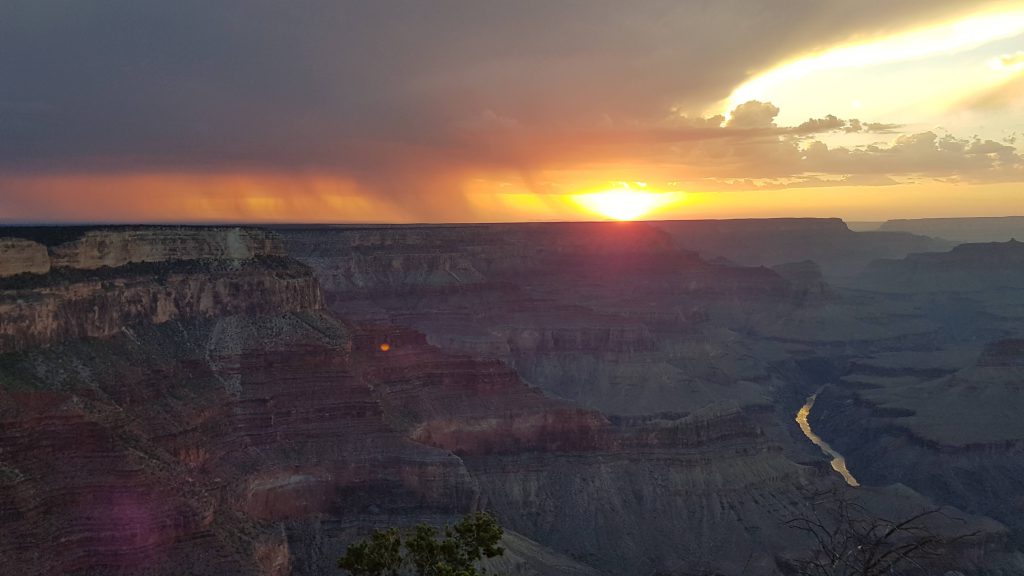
(484, 110)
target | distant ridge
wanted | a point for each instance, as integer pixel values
(838, 250)
(966, 268)
(982, 229)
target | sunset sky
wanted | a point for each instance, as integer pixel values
(478, 110)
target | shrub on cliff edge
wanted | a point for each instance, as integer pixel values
(426, 551)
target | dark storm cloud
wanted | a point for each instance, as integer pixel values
(372, 87)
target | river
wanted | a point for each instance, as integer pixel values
(838, 462)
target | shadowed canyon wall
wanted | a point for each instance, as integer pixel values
(237, 401)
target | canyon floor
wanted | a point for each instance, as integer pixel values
(622, 396)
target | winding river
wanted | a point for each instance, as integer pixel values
(838, 462)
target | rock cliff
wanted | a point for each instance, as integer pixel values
(210, 437)
(966, 268)
(183, 400)
(88, 249)
(20, 256)
(97, 284)
(961, 230)
(608, 315)
(841, 252)
(255, 444)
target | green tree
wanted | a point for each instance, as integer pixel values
(427, 551)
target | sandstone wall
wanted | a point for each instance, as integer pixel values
(107, 279)
(966, 268)
(19, 256)
(118, 247)
(97, 309)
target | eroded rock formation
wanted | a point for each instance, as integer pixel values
(97, 284)
(182, 400)
(22, 256)
(966, 268)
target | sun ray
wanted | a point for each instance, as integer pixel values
(946, 38)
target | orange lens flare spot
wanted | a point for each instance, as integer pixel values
(385, 347)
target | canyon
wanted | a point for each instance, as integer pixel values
(962, 230)
(224, 400)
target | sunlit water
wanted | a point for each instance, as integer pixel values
(838, 462)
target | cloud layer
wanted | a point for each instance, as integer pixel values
(404, 100)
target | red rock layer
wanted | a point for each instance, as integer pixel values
(78, 493)
(466, 405)
(189, 457)
(182, 446)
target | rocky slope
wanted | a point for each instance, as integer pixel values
(182, 400)
(925, 381)
(966, 268)
(841, 252)
(243, 432)
(22, 256)
(36, 250)
(618, 319)
(953, 434)
(166, 413)
(94, 285)
(262, 445)
(610, 315)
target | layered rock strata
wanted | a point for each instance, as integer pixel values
(97, 284)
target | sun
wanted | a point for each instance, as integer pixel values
(625, 203)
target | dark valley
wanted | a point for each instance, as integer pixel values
(621, 396)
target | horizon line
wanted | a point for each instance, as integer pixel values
(244, 223)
